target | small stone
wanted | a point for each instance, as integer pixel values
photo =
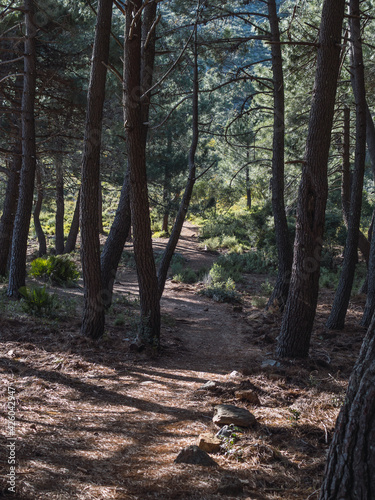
(235, 374)
(230, 485)
(230, 414)
(250, 396)
(195, 456)
(208, 386)
(271, 362)
(209, 442)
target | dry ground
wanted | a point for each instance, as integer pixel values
(99, 421)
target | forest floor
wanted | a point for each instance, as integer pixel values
(98, 420)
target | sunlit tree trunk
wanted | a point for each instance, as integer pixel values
(37, 209)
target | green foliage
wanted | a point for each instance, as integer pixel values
(186, 276)
(60, 269)
(38, 302)
(222, 291)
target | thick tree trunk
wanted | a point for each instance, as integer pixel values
(336, 320)
(74, 228)
(11, 194)
(59, 219)
(294, 338)
(136, 134)
(37, 209)
(350, 468)
(100, 210)
(17, 272)
(284, 248)
(370, 280)
(115, 242)
(93, 311)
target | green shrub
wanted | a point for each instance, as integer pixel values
(60, 269)
(38, 302)
(186, 276)
(222, 292)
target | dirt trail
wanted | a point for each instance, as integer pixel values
(97, 421)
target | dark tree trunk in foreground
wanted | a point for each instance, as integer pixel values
(114, 244)
(284, 248)
(336, 320)
(9, 210)
(11, 194)
(93, 311)
(121, 226)
(294, 338)
(136, 133)
(370, 280)
(350, 468)
(59, 219)
(17, 272)
(71, 240)
(37, 209)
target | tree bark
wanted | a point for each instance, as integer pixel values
(294, 337)
(279, 295)
(136, 133)
(37, 209)
(350, 467)
(93, 311)
(17, 272)
(59, 220)
(370, 280)
(336, 320)
(74, 228)
(115, 242)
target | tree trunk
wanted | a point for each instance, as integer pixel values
(350, 467)
(284, 248)
(370, 280)
(294, 338)
(74, 227)
(93, 311)
(114, 244)
(17, 272)
(248, 186)
(136, 134)
(38, 207)
(100, 219)
(11, 194)
(59, 220)
(336, 320)
(363, 242)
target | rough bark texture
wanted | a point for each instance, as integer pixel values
(71, 240)
(336, 320)
(17, 272)
(136, 133)
(9, 210)
(350, 468)
(59, 218)
(370, 300)
(93, 311)
(115, 242)
(37, 208)
(284, 248)
(294, 338)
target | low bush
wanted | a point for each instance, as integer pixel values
(38, 302)
(186, 276)
(222, 291)
(60, 269)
